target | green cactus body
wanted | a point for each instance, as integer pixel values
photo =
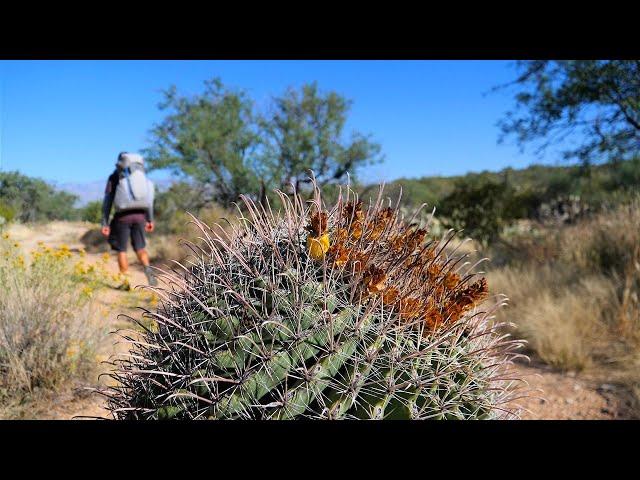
(266, 327)
(277, 368)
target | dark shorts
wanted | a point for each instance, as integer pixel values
(122, 232)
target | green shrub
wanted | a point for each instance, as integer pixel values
(7, 214)
(92, 212)
(34, 200)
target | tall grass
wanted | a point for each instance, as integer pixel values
(564, 320)
(574, 293)
(48, 333)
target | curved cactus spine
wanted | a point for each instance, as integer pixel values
(358, 374)
(343, 313)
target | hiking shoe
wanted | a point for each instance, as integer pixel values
(126, 284)
(151, 278)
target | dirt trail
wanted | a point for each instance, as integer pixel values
(560, 396)
(570, 396)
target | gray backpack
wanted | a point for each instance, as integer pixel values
(134, 190)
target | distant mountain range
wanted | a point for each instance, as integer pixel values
(90, 191)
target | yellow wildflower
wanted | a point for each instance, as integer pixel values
(72, 349)
(153, 300)
(79, 268)
(20, 261)
(126, 285)
(318, 246)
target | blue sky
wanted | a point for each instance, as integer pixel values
(65, 121)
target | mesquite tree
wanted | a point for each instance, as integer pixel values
(597, 99)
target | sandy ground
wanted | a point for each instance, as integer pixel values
(568, 396)
(559, 395)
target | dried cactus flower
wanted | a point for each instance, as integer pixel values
(319, 313)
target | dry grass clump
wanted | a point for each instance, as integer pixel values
(180, 223)
(576, 300)
(170, 247)
(528, 248)
(564, 321)
(164, 248)
(610, 243)
(48, 335)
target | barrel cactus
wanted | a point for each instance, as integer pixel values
(308, 312)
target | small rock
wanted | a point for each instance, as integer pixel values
(568, 401)
(542, 401)
(606, 411)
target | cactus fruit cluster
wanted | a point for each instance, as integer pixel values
(308, 312)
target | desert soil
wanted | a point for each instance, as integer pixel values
(570, 396)
(558, 395)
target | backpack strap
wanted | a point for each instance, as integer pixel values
(127, 178)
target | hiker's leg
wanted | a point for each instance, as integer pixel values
(118, 241)
(143, 256)
(139, 244)
(123, 263)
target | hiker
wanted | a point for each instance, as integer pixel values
(131, 193)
